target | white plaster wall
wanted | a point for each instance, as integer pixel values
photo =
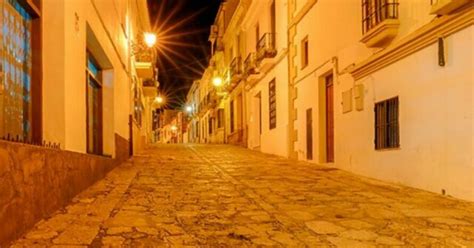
(435, 121)
(272, 141)
(436, 103)
(75, 79)
(53, 72)
(64, 66)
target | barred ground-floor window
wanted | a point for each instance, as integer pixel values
(387, 133)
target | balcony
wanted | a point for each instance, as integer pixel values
(235, 72)
(266, 51)
(214, 32)
(144, 70)
(150, 88)
(445, 7)
(251, 72)
(380, 22)
(209, 101)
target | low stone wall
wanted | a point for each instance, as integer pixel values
(36, 181)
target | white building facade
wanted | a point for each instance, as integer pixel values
(391, 98)
(383, 89)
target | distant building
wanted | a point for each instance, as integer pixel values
(172, 127)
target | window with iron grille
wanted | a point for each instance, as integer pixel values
(387, 134)
(376, 11)
(272, 104)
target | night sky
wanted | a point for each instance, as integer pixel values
(182, 27)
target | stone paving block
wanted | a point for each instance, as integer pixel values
(77, 235)
(324, 227)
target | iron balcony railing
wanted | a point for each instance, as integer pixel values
(236, 67)
(377, 11)
(266, 47)
(250, 64)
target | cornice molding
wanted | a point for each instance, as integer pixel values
(419, 39)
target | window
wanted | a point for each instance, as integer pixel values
(272, 104)
(386, 124)
(210, 124)
(304, 52)
(20, 84)
(220, 118)
(376, 11)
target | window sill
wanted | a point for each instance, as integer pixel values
(382, 34)
(388, 149)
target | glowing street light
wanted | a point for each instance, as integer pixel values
(159, 99)
(150, 39)
(189, 109)
(174, 128)
(217, 81)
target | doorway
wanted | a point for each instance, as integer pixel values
(94, 116)
(329, 118)
(309, 134)
(258, 120)
(94, 108)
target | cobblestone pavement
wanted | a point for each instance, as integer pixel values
(224, 196)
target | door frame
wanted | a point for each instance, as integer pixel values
(329, 118)
(322, 117)
(90, 78)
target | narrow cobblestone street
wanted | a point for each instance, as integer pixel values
(225, 196)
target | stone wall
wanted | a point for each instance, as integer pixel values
(36, 181)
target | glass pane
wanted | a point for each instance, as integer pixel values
(15, 61)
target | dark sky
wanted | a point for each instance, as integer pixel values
(182, 27)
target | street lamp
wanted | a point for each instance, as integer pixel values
(174, 128)
(159, 99)
(189, 109)
(217, 81)
(150, 39)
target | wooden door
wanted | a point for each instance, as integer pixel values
(329, 119)
(94, 116)
(309, 134)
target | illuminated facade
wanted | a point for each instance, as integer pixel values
(379, 88)
(76, 83)
(58, 102)
(390, 95)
